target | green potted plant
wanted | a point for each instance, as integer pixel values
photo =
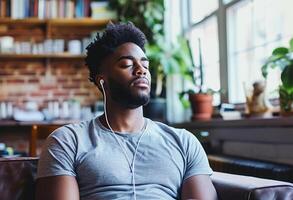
(282, 58)
(199, 98)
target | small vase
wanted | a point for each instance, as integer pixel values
(202, 107)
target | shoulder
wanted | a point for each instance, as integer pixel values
(72, 132)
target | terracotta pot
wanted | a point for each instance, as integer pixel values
(202, 107)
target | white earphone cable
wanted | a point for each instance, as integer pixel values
(131, 164)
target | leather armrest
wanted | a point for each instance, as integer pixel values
(17, 178)
(232, 187)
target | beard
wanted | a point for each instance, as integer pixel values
(124, 96)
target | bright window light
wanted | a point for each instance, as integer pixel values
(255, 28)
(207, 32)
(200, 9)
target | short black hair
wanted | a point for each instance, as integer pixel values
(106, 42)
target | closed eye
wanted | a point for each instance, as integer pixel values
(126, 66)
(126, 63)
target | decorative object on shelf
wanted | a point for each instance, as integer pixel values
(29, 113)
(257, 102)
(74, 47)
(282, 58)
(66, 110)
(228, 112)
(6, 110)
(6, 44)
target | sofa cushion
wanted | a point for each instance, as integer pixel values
(232, 187)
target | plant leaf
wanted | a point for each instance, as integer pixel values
(281, 51)
(264, 70)
(183, 97)
(276, 57)
(287, 77)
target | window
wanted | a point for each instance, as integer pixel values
(200, 12)
(207, 33)
(255, 28)
(252, 29)
(204, 28)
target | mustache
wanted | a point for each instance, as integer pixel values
(140, 80)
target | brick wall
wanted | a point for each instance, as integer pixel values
(43, 80)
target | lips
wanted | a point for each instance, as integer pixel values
(140, 82)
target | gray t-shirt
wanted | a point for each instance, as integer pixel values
(165, 158)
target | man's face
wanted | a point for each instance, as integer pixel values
(129, 76)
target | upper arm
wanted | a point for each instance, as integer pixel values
(198, 187)
(57, 188)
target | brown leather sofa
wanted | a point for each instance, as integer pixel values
(17, 182)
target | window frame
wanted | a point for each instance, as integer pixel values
(221, 16)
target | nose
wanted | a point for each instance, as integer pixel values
(139, 69)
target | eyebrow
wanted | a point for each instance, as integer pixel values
(131, 58)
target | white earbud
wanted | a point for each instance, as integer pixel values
(102, 82)
(130, 163)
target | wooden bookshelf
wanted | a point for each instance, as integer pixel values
(77, 22)
(54, 22)
(34, 30)
(28, 21)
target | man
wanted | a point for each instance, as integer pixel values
(121, 154)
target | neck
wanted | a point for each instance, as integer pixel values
(123, 119)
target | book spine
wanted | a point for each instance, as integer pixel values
(41, 9)
(8, 8)
(26, 9)
(78, 9)
(47, 9)
(36, 6)
(54, 9)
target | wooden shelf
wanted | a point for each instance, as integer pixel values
(56, 22)
(40, 29)
(238, 123)
(27, 21)
(28, 56)
(77, 22)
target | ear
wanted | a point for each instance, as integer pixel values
(98, 80)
